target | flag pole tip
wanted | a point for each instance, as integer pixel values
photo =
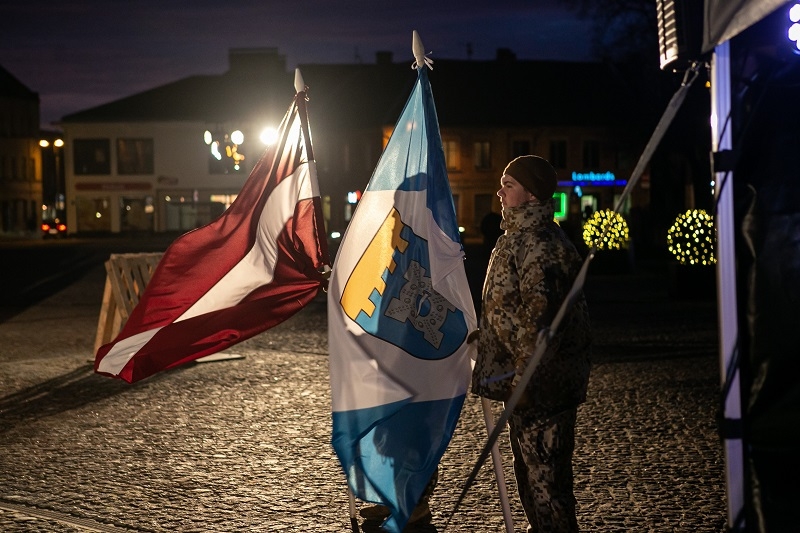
(417, 48)
(299, 84)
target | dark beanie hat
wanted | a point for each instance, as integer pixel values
(535, 174)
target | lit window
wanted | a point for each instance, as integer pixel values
(92, 156)
(483, 154)
(452, 154)
(135, 156)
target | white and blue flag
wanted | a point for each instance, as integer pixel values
(399, 312)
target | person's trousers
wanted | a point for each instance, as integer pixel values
(543, 471)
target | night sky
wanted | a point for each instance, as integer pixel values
(79, 54)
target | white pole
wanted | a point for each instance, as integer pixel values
(498, 467)
(352, 501)
(726, 276)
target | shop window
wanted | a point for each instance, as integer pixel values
(136, 214)
(558, 154)
(186, 212)
(92, 156)
(93, 214)
(135, 156)
(483, 154)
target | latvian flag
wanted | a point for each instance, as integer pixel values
(249, 270)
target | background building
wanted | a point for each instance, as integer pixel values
(141, 163)
(20, 157)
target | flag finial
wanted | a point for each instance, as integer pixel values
(419, 53)
(299, 84)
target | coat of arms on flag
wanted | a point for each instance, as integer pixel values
(399, 313)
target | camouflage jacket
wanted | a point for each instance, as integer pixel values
(531, 270)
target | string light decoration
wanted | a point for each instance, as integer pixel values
(691, 238)
(616, 235)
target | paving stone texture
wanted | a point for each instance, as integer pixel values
(244, 444)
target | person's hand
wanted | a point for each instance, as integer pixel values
(325, 274)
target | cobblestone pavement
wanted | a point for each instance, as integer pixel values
(244, 444)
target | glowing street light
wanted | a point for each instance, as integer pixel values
(229, 155)
(268, 136)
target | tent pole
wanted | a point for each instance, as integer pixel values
(726, 282)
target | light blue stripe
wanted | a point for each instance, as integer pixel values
(414, 159)
(390, 452)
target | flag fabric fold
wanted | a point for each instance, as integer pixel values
(247, 271)
(399, 313)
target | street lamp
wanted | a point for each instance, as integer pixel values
(224, 147)
(52, 173)
(58, 145)
(268, 136)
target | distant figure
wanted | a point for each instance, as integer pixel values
(490, 228)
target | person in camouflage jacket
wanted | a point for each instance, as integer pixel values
(531, 270)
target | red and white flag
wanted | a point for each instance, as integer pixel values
(249, 270)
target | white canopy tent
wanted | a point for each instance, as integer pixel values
(749, 269)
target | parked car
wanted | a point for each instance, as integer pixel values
(54, 228)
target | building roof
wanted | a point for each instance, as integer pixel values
(504, 92)
(11, 87)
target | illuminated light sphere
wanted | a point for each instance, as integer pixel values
(606, 230)
(692, 238)
(44, 143)
(237, 137)
(58, 143)
(207, 137)
(794, 32)
(794, 13)
(794, 29)
(268, 136)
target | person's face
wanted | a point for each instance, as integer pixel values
(511, 193)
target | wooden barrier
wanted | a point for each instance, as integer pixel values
(126, 277)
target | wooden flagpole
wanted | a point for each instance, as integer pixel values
(353, 519)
